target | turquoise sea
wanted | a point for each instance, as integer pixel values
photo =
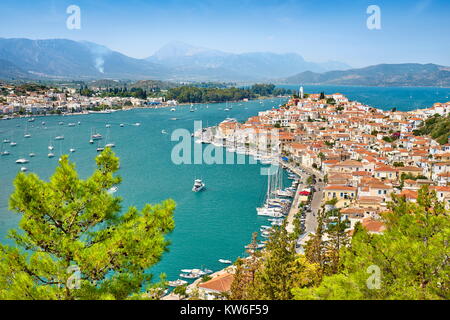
(386, 98)
(210, 225)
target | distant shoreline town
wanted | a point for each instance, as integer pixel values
(39, 100)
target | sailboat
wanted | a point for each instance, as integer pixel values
(109, 144)
(72, 150)
(99, 149)
(26, 134)
(4, 152)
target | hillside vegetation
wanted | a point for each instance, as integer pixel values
(437, 127)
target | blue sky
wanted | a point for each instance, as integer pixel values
(411, 30)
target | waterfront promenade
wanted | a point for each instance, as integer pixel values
(311, 217)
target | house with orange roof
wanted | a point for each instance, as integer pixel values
(217, 286)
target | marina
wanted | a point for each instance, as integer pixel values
(149, 176)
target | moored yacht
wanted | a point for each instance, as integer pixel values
(22, 161)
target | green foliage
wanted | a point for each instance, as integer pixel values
(412, 256)
(271, 274)
(195, 94)
(68, 223)
(437, 127)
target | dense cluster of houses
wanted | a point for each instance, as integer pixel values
(67, 100)
(363, 154)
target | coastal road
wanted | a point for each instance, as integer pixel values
(311, 217)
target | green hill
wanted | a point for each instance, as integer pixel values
(437, 127)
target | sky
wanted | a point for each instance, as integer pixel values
(319, 30)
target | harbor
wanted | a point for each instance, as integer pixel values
(149, 176)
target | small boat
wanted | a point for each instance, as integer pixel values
(59, 138)
(225, 261)
(177, 283)
(91, 141)
(5, 153)
(110, 145)
(43, 123)
(6, 141)
(173, 109)
(22, 161)
(72, 150)
(137, 124)
(71, 124)
(186, 270)
(27, 135)
(108, 126)
(163, 131)
(198, 185)
(13, 144)
(173, 119)
(99, 149)
(23, 169)
(114, 190)
(122, 125)
(32, 154)
(96, 136)
(60, 123)
(50, 155)
(31, 120)
(189, 276)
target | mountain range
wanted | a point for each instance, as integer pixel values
(177, 61)
(61, 58)
(406, 74)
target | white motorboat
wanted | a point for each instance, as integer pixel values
(112, 190)
(163, 131)
(224, 261)
(72, 124)
(189, 276)
(5, 153)
(50, 155)
(198, 185)
(59, 138)
(23, 169)
(72, 150)
(110, 145)
(22, 161)
(137, 124)
(32, 154)
(13, 144)
(96, 136)
(27, 135)
(122, 125)
(108, 126)
(177, 283)
(173, 109)
(6, 141)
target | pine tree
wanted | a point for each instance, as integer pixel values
(73, 229)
